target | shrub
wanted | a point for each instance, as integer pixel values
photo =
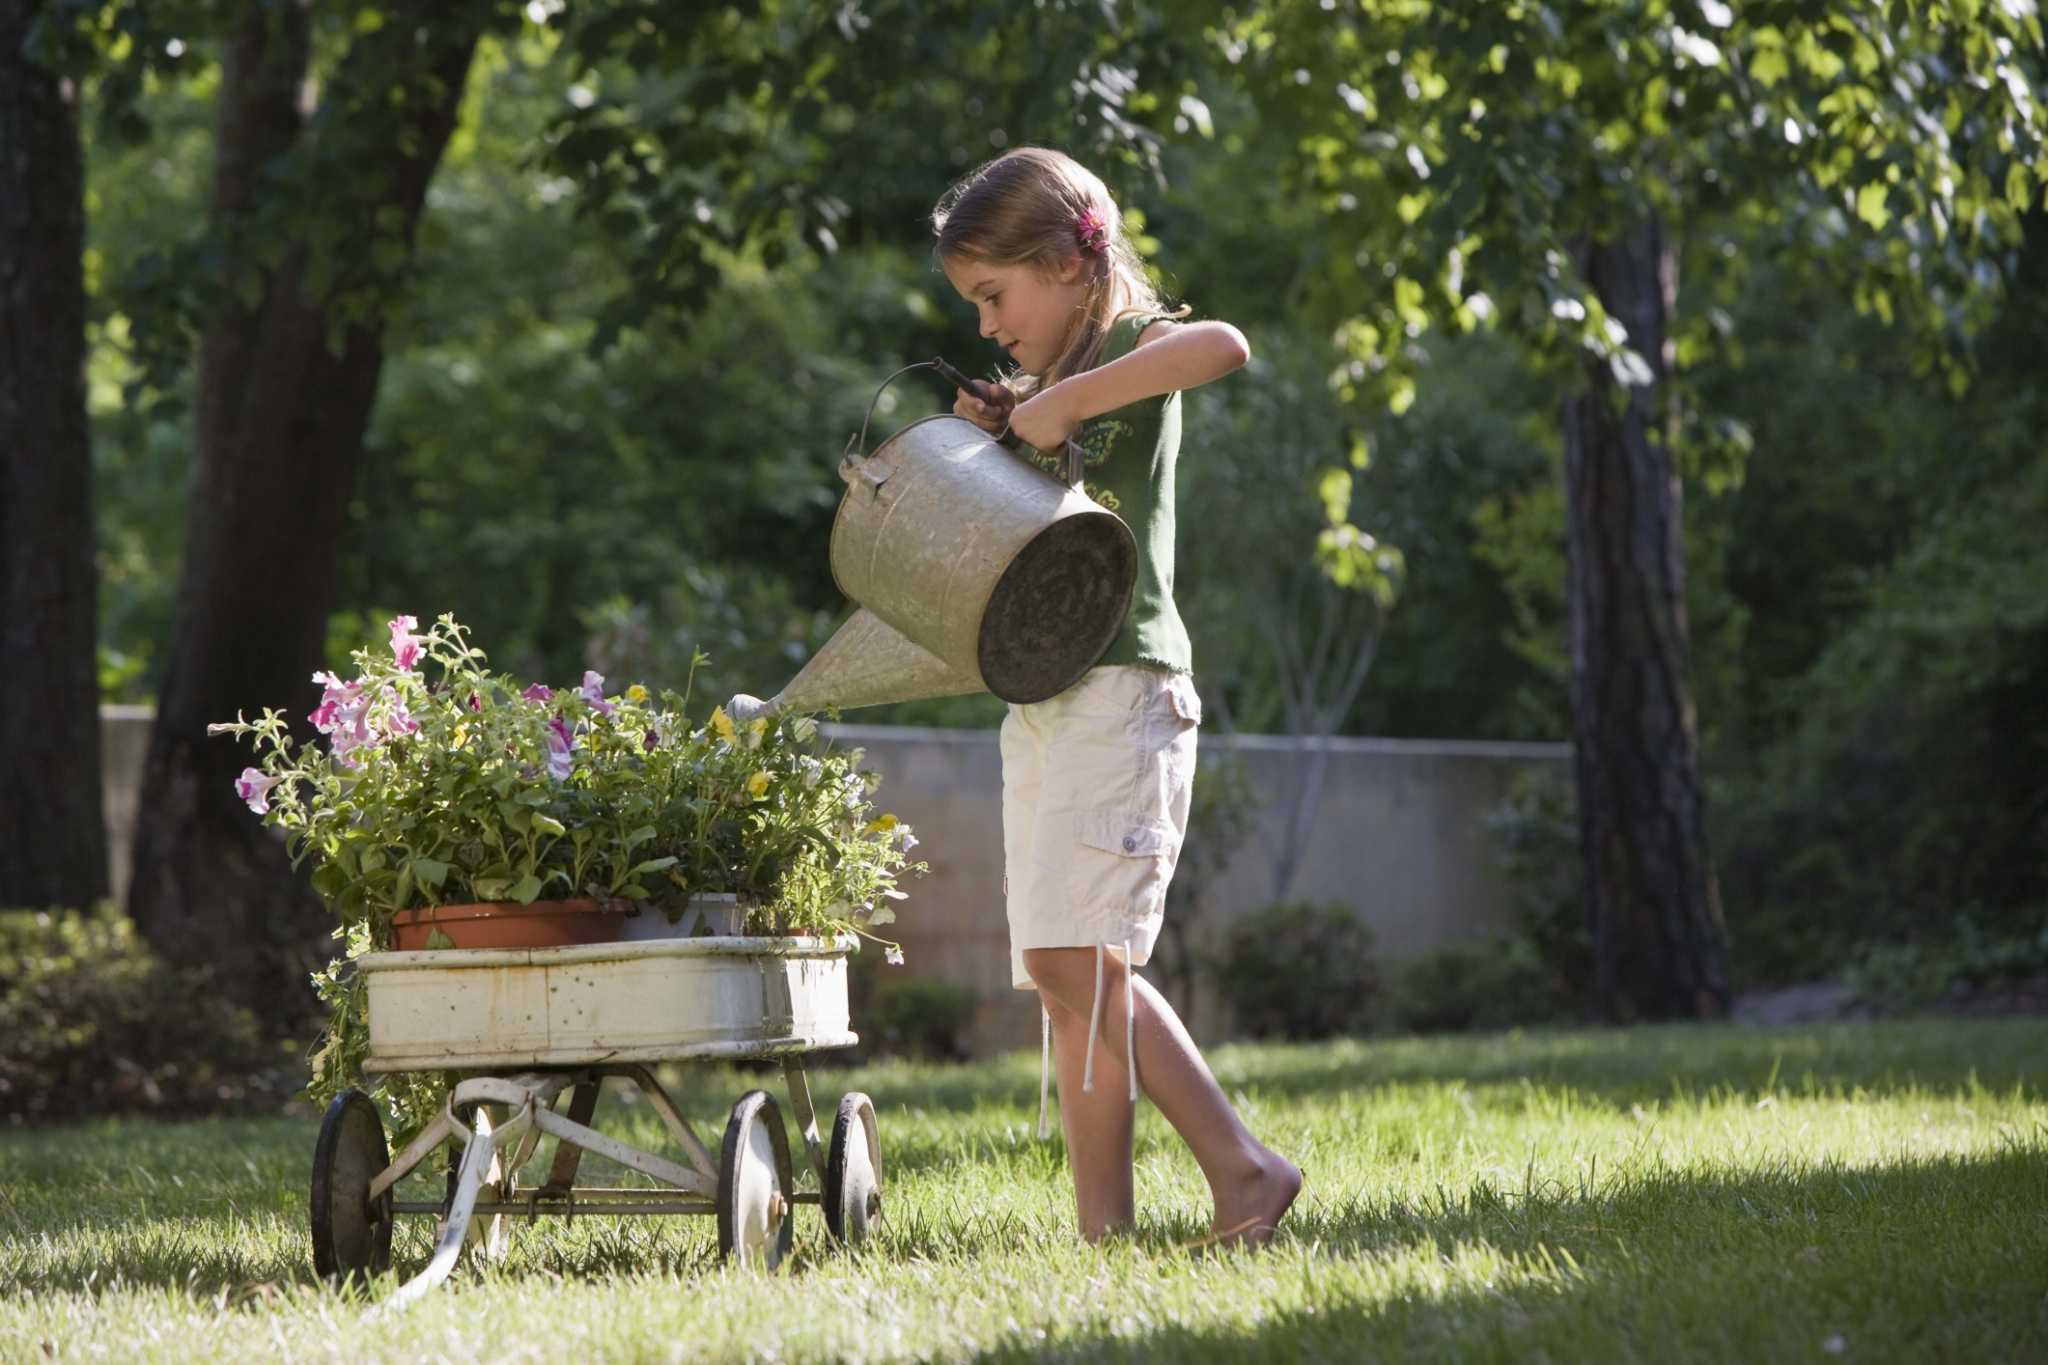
(1495, 984)
(1298, 970)
(1535, 832)
(898, 1014)
(1900, 977)
(92, 1022)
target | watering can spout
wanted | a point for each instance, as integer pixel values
(867, 662)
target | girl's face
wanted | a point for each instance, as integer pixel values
(1024, 310)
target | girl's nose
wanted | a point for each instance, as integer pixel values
(988, 322)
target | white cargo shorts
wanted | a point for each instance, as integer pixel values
(1096, 785)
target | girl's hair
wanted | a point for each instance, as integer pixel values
(1036, 207)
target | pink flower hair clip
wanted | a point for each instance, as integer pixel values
(1091, 232)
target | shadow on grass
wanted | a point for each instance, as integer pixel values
(1616, 1066)
(1908, 1261)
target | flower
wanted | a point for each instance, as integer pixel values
(476, 703)
(894, 954)
(592, 691)
(254, 787)
(538, 692)
(650, 741)
(757, 785)
(1090, 232)
(405, 646)
(636, 694)
(325, 716)
(399, 721)
(561, 745)
(721, 725)
(881, 824)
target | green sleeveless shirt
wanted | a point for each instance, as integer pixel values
(1129, 458)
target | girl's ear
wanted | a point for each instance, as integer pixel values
(1072, 269)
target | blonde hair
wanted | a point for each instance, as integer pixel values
(1025, 208)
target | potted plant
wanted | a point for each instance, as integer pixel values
(441, 797)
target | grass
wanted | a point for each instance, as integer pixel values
(1874, 1192)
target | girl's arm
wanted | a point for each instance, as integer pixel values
(1168, 356)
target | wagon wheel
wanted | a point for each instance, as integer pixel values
(351, 1236)
(853, 1172)
(754, 1184)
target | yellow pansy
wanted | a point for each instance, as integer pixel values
(461, 734)
(881, 824)
(721, 725)
(636, 693)
(757, 785)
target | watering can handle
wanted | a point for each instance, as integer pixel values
(856, 450)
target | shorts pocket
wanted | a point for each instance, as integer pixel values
(1129, 834)
(1184, 699)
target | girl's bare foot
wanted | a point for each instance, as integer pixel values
(1252, 1210)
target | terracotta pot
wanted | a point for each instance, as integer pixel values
(508, 924)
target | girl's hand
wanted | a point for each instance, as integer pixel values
(1043, 419)
(991, 417)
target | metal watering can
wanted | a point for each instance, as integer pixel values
(973, 571)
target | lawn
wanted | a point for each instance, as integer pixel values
(1861, 1192)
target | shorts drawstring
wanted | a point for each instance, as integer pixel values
(1094, 1033)
(1130, 1022)
(1044, 1066)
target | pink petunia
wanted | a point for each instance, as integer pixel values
(254, 787)
(337, 695)
(405, 646)
(538, 692)
(561, 745)
(593, 692)
(398, 720)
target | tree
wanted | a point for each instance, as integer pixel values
(53, 846)
(1548, 169)
(312, 219)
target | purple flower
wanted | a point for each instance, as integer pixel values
(405, 646)
(476, 703)
(561, 744)
(650, 741)
(593, 692)
(252, 786)
(538, 692)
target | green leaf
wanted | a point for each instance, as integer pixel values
(653, 865)
(1870, 205)
(429, 872)
(491, 888)
(527, 890)
(548, 824)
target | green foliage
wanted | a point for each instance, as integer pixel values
(467, 787)
(1298, 970)
(1492, 984)
(1895, 978)
(899, 1014)
(1535, 835)
(92, 1022)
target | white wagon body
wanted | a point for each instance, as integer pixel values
(655, 1001)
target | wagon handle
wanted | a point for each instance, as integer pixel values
(857, 452)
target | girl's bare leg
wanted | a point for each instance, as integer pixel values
(1251, 1184)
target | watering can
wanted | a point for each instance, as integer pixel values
(972, 569)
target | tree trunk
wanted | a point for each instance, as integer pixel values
(279, 423)
(1659, 943)
(53, 835)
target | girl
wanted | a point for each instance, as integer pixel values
(1096, 781)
